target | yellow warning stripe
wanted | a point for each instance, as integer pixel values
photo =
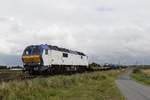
(31, 59)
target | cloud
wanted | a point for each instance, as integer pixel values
(102, 9)
(108, 31)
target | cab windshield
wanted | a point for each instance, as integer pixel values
(33, 50)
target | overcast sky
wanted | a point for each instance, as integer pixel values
(106, 30)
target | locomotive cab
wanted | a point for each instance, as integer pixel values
(31, 55)
(32, 58)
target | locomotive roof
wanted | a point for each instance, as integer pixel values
(63, 49)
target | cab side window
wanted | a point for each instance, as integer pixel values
(65, 55)
(46, 52)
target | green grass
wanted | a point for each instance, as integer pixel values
(86, 86)
(141, 77)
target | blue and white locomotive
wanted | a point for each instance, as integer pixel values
(53, 59)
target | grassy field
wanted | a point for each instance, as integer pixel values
(141, 75)
(85, 86)
(146, 71)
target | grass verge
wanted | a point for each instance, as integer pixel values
(140, 76)
(86, 86)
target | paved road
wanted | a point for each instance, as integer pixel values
(132, 90)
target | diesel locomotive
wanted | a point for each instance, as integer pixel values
(52, 59)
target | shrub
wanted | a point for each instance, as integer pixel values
(137, 70)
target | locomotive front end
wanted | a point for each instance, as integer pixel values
(31, 58)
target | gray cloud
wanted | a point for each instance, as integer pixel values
(108, 31)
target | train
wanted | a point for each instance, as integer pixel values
(53, 59)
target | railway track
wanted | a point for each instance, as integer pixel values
(4, 78)
(7, 75)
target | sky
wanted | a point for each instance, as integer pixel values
(108, 31)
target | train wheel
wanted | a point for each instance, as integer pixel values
(30, 72)
(51, 71)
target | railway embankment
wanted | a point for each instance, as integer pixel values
(98, 85)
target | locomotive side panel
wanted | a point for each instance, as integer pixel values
(46, 57)
(62, 58)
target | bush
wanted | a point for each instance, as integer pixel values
(95, 65)
(137, 70)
